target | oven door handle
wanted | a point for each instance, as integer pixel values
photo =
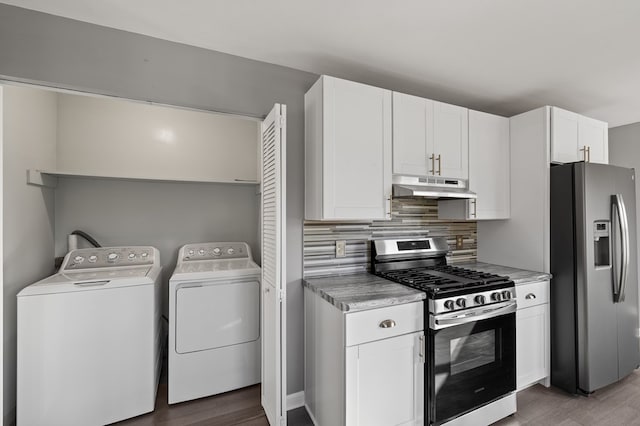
(449, 320)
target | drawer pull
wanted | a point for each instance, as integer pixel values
(388, 323)
(530, 296)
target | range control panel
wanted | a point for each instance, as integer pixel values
(106, 257)
(215, 251)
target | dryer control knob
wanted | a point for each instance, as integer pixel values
(112, 257)
(93, 258)
(78, 259)
(230, 250)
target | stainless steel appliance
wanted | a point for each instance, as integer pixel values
(470, 376)
(594, 290)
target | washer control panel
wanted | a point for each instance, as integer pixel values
(215, 251)
(105, 257)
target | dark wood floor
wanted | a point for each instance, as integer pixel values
(239, 407)
(615, 405)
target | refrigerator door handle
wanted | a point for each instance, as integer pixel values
(623, 223)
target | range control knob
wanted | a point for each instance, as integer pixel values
(93, 258)
(449, 304)
(506, 295)
(201, 252)
(145, 254)
(217, 251)
(191, 252)
(132, 256)
(462, 302)
(496, 297)
(112, 257)
(78, 259)
(480, 299)
(230, 250)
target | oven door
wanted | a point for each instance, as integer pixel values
(470, 364)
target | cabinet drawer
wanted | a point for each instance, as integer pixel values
(532, 294)
(367, 326)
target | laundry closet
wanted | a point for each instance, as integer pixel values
(127, 173)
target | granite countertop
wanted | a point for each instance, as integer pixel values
(519, 276)
(358, 292)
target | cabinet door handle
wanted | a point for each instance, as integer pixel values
(389, 199)
(439, 164)
(389, 323)
(475, 208)
(588, 154)
(432, 157)
(584, 153)
(530, 296)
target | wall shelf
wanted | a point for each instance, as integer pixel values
(49, 178)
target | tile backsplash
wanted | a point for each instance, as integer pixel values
(411, 217)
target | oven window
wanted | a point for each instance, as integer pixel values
(473, 351)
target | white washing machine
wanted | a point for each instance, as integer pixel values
(89, 339)
(214, 321)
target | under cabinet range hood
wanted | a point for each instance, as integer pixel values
(431, 187)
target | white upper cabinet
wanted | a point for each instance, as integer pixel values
(489, 165)
(429, 138)
(578, 138)
(347, 151)
(451, 140)
(412, 135)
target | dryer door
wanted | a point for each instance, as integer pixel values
(212, 315)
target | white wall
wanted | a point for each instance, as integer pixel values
(29, 129)
(105, 136)
(160, 214)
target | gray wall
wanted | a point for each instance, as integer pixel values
(58, 52)
(27, 210)
(160, 214)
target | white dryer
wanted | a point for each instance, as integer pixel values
(89, 339)
(214, 321)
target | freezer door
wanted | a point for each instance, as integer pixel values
(607, 321)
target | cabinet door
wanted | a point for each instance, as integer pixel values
(594, 135)
(488, 166)
(564, 137)
(356, 151)
(412, 135)
(532, 344)
(385, 382)
(451, 140)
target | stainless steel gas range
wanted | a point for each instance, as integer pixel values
(470, 376)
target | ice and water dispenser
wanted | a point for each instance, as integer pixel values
(602, 244)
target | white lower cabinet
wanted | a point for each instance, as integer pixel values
(532, 334)
(366, 367)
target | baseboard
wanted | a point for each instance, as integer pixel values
(295, 400)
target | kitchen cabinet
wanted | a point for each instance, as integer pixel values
(360, 373)
(575, 137)
(347, 151)
(488, 171)
(430, 138)
(532, 334)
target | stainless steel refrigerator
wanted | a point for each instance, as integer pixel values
(594, 289)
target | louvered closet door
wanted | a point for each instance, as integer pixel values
(273, 266)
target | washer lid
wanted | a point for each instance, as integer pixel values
(67, 282)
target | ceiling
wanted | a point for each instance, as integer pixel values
(499, 56)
